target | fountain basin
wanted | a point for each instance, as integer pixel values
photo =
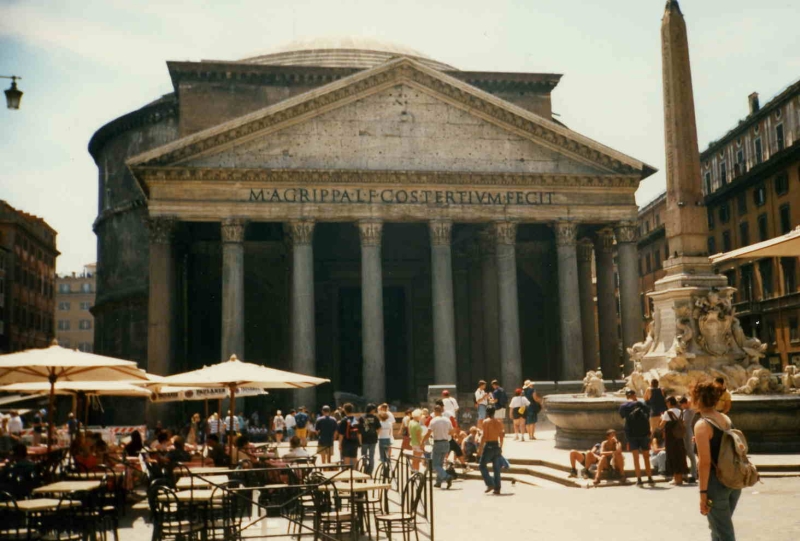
(771, 423)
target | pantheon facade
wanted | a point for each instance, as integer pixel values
(358, 211)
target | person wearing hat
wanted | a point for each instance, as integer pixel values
(519, 405)
(450, 403)
(532, 412)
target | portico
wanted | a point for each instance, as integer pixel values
(393, 229)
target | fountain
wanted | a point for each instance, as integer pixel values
(694, 333)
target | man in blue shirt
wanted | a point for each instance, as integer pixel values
(326, 430)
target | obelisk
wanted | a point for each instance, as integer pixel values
(686, 223)
(689, 274)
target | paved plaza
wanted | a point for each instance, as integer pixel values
(547, 511)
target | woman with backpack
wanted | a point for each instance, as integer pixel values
(532, 412)
(674, 431)
(717, 501)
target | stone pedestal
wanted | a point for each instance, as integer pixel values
(301, 234)
(233, 288)
(569, 302)
(444, 331)
(607, 304)
(588, 327)
(372, 311)
(508, 297)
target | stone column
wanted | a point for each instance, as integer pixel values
(631, 308)
(607, 304)
(588, 327)
(233, 288)
(569, 301)
(508, 297)
(444, 330)
(372, 311)
(301, 234)
(491, 306)
(161, 302)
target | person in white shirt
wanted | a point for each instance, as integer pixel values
(440, 430)
(290, 424)
(278, 425)
(385, 434)
(15, 424)
(213, 424)
(296, 449)
(481, 401)
(518, 405)
(450, 403)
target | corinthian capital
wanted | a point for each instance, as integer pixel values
(370, 232)
(585, 249)
(505, 232)
(441, 232)
(300, 232)
(604, 241)
(566, 233)
(161, 229)
(627, 232)
(233, 229)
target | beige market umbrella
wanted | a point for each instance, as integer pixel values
(787, 245)
(54, 364)
(234, 373)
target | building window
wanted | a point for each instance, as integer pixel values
(740, 164)
(658, 220)
(741, 201)
(786, 219)
(63, 324)
(647, 264)
(794, 335)
(710, 219)
(747, 282)
(85, 324)
(731, 276)
(723, 173)
(63, 288)
(744, 233)
(759, 153)
(712, 245)
(763, 232)
(726, 241)
(781, 183)
(657, 256)
(789, 278)
(779, 136)
(771, 332)
(724, 213)
(760, 195)
(765, 268)
(63, 306)
(707, 181)
(86, 305)
(86, 288)
(86, 347)
(64, 343)
(640, 267)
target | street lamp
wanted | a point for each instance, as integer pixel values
(13, 94)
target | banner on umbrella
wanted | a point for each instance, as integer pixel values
(213, 393)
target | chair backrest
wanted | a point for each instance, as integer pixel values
(382, 472)
(412, 493)
(11, 518)
(235, 503)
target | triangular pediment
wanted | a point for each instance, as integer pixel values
(399, 116)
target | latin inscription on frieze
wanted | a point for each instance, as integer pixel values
(390, 196)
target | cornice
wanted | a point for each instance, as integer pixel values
(346, 176)
(348, 89)
(153, 113)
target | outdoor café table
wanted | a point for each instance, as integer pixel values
(35, 507)
(345, 475)
(204, 495)
(62, 487)
(94, 475)
(200, 482)
(350, 490)
(202, 470)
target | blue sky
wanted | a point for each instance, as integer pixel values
(86, 62)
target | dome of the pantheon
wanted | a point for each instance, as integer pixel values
(339, 52)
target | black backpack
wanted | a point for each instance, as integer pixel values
(638, 421)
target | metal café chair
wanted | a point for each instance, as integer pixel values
(405, 520)
(14, 524)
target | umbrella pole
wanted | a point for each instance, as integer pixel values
(50, 414)
(233, 427)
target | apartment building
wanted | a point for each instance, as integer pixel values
(74, 300)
